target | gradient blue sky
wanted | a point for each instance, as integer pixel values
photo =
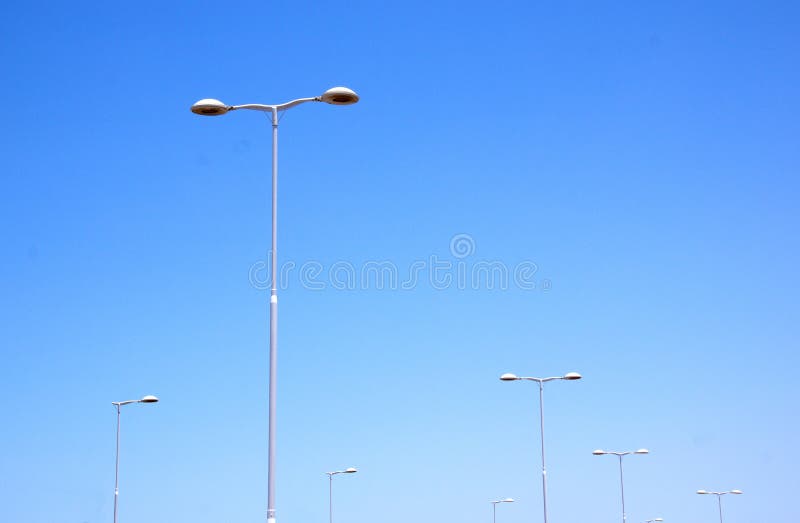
(645, 157)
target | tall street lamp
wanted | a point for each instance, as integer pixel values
(494, 507)
(570, 376)
(621, 482)
(719, 498)
(212, 107)
(350, 470)
(118, 405)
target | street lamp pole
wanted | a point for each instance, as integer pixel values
(350, 470)
(622, 489)
(212, 107)
(570, 376)
(494, 507)
(620, 455)
(719, 498)
(118, 405)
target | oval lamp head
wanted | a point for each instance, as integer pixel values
(508, 500)
(149, 399)
(509, 377)
(572, 376)
(210, 107)
(339, 96)
(737, 491)
(659, 519)
(642, 451)
(599, 452)
(701, 491)
(350, 470)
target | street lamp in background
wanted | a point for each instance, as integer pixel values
(656, 520)
(212, 107)
(118, 405)
(494, 507)
(621, 482)
(350, 470)
(570, 376)
(719, 498)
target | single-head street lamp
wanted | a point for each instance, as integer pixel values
(339, 96)
(210, 107)
(119, 405)
(570, 376)
(494, 507)
(719, 498)
(620, 455)
(213, 107)
(349, 470)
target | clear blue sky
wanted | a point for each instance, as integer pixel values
(645, 158)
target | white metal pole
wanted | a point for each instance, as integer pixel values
(273, 326)
(622, 488)
(116, 469)
(544, 469)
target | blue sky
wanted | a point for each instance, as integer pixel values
(643, 157)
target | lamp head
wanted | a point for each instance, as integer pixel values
(210, 107)
(339, 96)
(509, 377)
(737, 491)
(149, 399)
(642, 451)
(659, 519)
(350, 470)
(599, 452)
(701, 491)
(572, 376)
(508, 500)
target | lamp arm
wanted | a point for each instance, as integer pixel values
(253, 107)
(293, 103)
(278, 107)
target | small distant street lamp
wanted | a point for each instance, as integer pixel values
(570, 376)
(494, 507)
(212, 107)
(118, 405)
(656, 520)
(599, 452)
(350, 470)
(719, 498)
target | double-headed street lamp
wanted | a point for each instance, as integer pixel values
(350, 470)
(494, 507)
(621, 482)
(570, 376)
(719, 498)
(118, 405)
(212, 107)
